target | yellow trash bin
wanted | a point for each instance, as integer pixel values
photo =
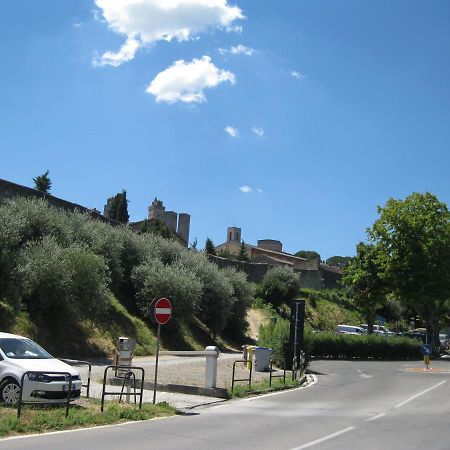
(250, 351)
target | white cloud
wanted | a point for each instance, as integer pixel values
(258, 131)
(237, 50)
(148, 21)
(248, 189)
(186, 81)
(232, 131)
(126, 53)
(77, 24)
(297, 75)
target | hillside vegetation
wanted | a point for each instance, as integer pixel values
(76, 284)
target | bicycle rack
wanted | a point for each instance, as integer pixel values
(127, 377)
(21, 402)
(276, 376)
(76, 362)
(249, 379)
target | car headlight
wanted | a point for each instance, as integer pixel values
(43, 378)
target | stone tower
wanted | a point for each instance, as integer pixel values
(184, 221)
(156, 210)
(233, 234)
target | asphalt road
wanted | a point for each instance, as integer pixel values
(353, 405)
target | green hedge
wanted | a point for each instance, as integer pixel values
(343, 346)
(336, 346)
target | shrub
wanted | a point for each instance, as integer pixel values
(279, 285)
(276, 337)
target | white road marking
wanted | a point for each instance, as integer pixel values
(363, 375)
(410, 399)
(325, 438)
(163, 310)
(378, 416)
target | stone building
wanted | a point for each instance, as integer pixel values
(177, 223)
(314, 274)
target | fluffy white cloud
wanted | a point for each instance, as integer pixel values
(126, 53)
(237, 50)
(258, 131)
(232, 131)
(186, 81)
(297, 75)
(149, 21)
(247, 189)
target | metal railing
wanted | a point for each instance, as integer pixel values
(77, 362)
(276, 376)
(21, 402)
(126, 380)
(249, 379)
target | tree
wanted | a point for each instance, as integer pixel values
(413, 236)
(363, 276)
(156, 227)
(279, 285)
(117, 208)
(307, 254)
(43, 183)
(209, 247)
(242, 255)
(339, 261)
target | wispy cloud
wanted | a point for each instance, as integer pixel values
(258, 131)
(237, 50)
(186, 81)
(248, 189)
(148, 21)
(77, 24)
(232, 131)
(298, 75)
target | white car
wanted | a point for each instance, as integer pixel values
(19, 355)
(349, 329)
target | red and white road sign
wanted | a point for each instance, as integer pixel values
(163, 311)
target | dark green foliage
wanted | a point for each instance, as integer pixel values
(43, 183)
(60, 264)
(337, 346)
(7, 315)
(279, 285)
(364, 277)
(413, 236)
(339, 261)
(209, 247)
(276, 337)
(156, 227)
(117, 208)
(307, 254)
(243, 255)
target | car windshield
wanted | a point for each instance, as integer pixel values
(22, 349)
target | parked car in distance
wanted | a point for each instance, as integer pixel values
(444, 341)
(349, 329)
(378, 329)
(19, 355)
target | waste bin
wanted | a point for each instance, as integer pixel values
(261, 358)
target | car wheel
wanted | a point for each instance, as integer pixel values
(10, 392)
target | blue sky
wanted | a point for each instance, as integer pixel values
(292, 120)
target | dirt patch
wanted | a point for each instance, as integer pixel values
(254, 318)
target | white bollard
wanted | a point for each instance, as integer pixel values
(211, 366)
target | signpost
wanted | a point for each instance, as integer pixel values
(296, 332)
(162, 312)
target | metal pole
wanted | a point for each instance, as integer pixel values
(295, 334)
(156, 365)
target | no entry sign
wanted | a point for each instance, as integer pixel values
(163, 311)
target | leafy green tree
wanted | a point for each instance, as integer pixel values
(363, 276)
(339, 261)
(209, 247)
(307, 254)
(279, 285)
(413, 236)
(118, 208)
(243, 255)
(43, 183)
(156, 227)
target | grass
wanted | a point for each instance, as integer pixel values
(242, 390)
(85, 413)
